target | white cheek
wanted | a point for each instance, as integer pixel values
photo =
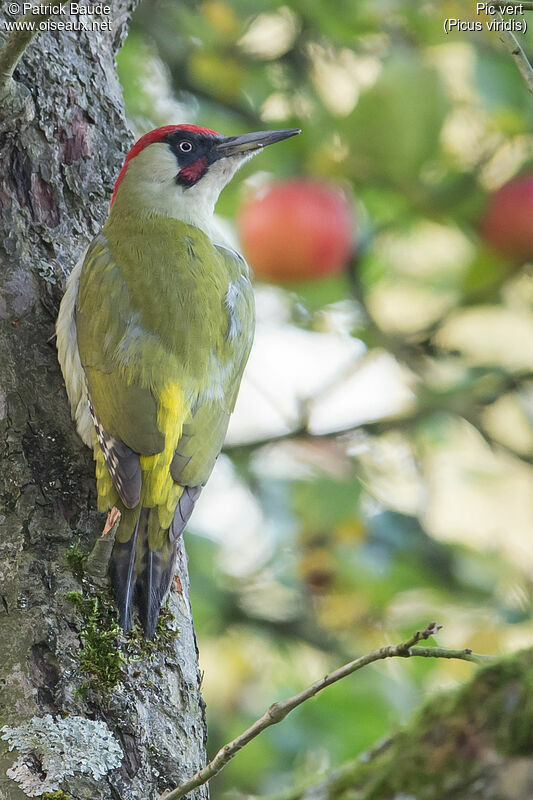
(155, 164)
(151, 181)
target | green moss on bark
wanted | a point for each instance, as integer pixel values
(101, 658)
(446, 747)
(106, 650)
(76, 558)
(163, 640)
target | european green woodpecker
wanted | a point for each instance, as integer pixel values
(153, 335)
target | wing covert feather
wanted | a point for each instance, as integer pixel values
(125, 407)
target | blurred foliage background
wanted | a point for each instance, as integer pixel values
(309, 548)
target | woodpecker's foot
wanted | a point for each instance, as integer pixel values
(112, 519)
(98, 560)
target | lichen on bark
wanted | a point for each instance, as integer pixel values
(63, 747)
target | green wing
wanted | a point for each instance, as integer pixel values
(201, 347)
(124, 407)
(124, 411)
(204, 435)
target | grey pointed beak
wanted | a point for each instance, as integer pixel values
(248, 142)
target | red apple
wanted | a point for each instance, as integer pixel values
(296, 230)
(507, 223)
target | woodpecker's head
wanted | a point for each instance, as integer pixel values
(179, 170)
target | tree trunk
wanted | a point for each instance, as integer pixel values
(472, 744)
(89, 711)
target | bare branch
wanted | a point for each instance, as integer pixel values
(374, 428)
(512, 45)
(14, 48)
(379, 428)
(278, 711)
(443, 652)
(455, 402)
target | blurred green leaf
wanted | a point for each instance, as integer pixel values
(394, 129)
(322, 503)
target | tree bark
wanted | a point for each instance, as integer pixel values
(70, 683)
(472, 744)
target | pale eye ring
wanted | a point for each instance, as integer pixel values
(185, 147)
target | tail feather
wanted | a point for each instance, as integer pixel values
(123, 574)
(144, 558)
(184, 510)
(155, 573)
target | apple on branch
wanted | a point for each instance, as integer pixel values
(507, 222)
(297, 230)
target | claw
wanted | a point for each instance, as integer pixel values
(112, 519)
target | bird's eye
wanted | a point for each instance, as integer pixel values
(185, 147)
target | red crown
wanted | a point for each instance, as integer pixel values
(151, 137)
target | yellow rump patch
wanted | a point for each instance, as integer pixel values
(158, 487)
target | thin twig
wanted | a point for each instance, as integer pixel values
(443, 652)
(14, 48)
(511, 43)
(278, 711)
